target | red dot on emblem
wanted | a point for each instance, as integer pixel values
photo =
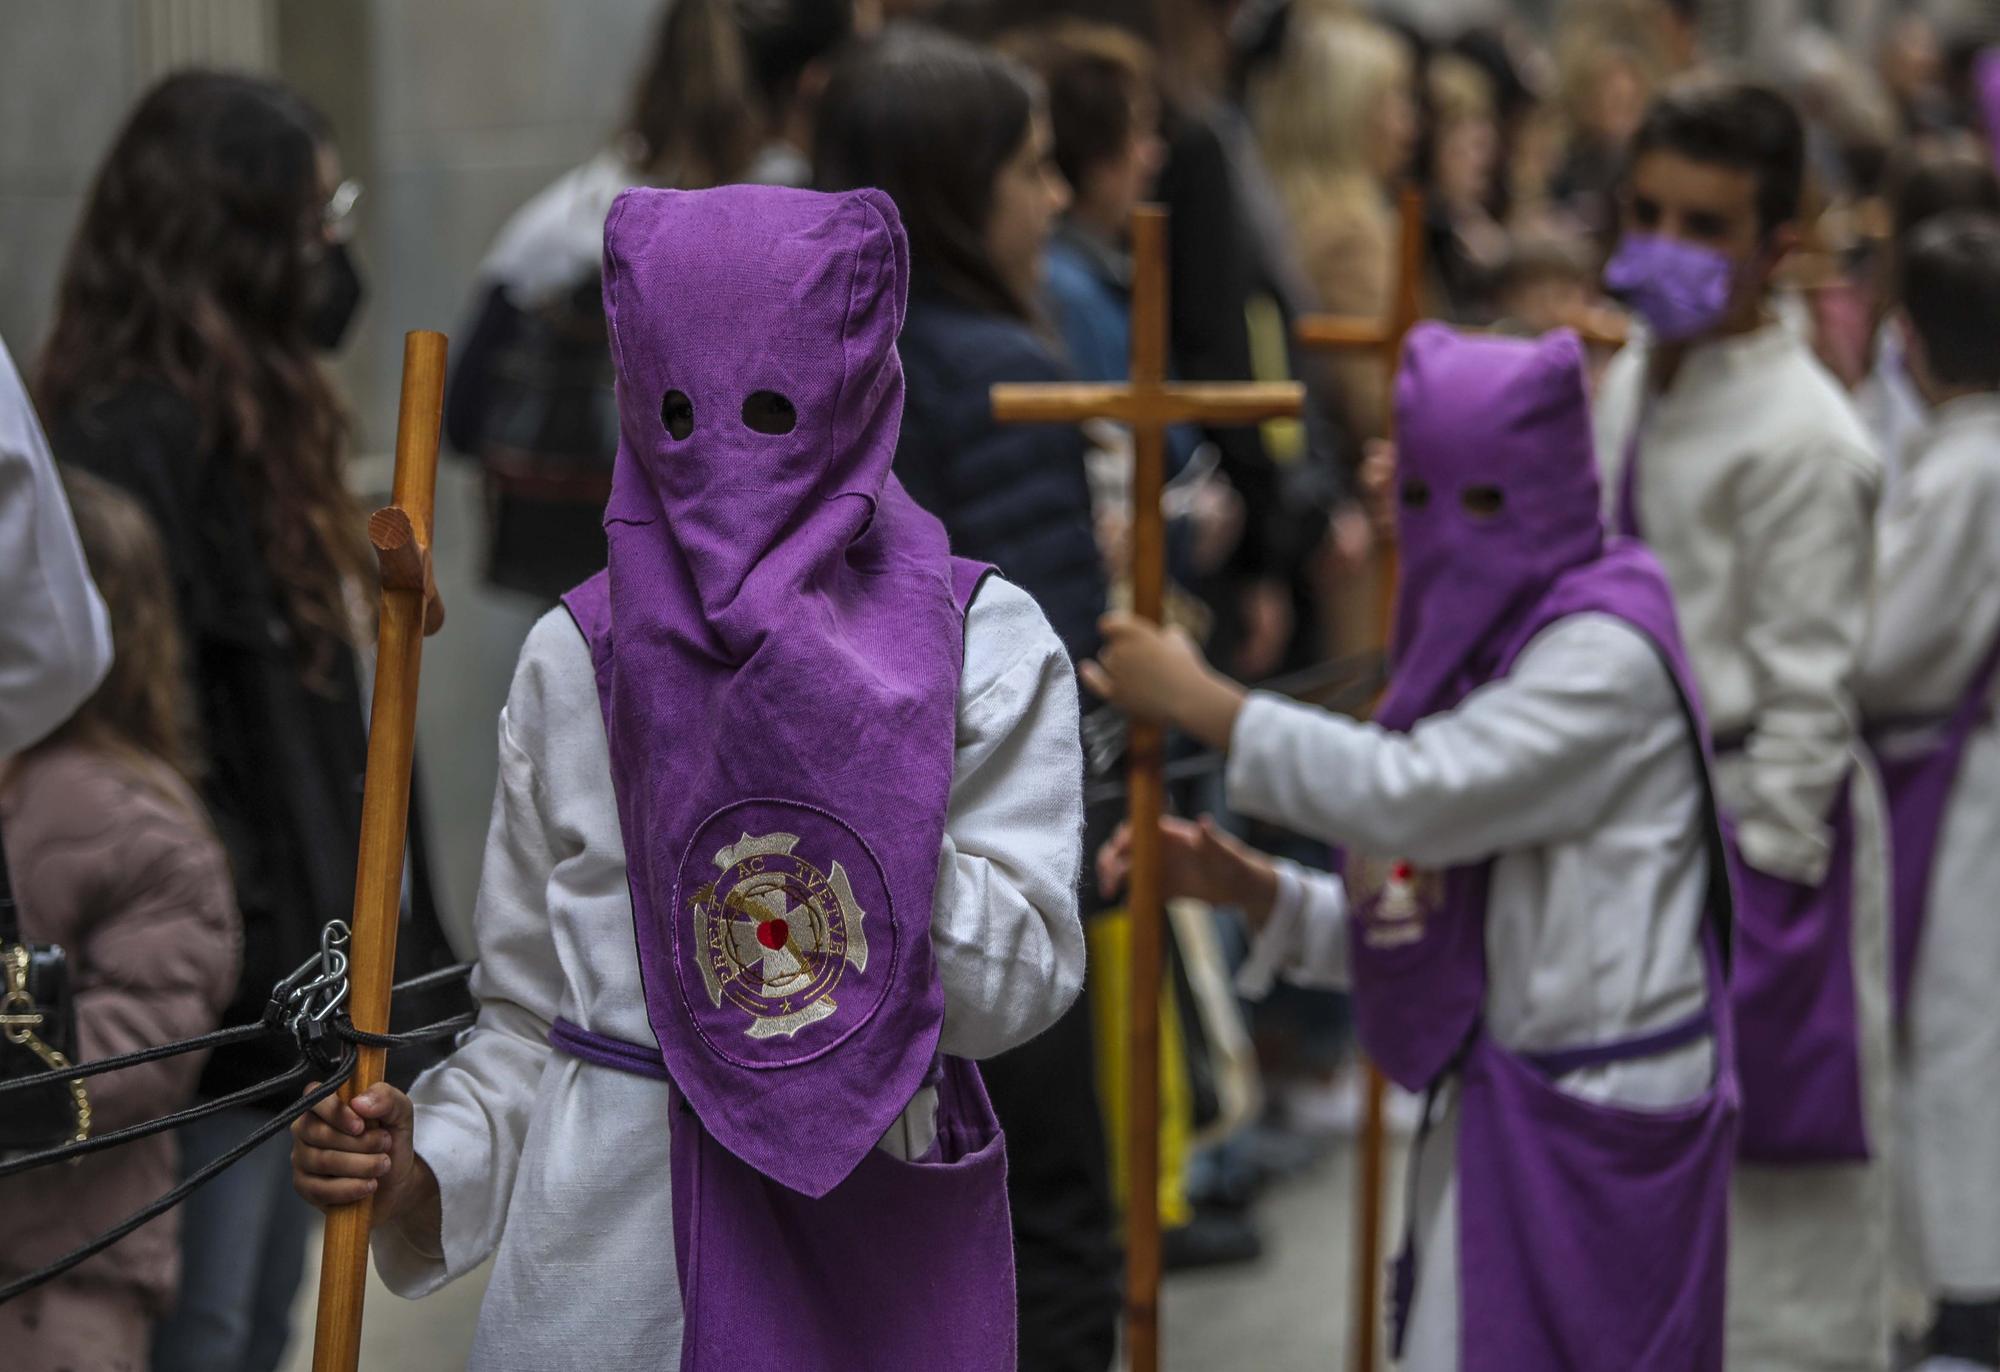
(772, 933)
(1402, 871)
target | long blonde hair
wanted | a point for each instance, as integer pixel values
(1315, 110)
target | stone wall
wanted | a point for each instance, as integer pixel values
(450, 113)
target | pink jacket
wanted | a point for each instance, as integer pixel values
(121, 868)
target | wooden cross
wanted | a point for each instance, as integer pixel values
(401, 535)
(1384, 337)
(1148, 404)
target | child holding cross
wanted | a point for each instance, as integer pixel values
(1533, 883)
(786, 832)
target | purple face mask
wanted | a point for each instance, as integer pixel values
(1681, 290)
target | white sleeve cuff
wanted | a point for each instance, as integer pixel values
(1305, 940)
(1277, 944)
(464, 1190)
(1782, 852)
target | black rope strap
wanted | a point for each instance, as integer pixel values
(273, 1025)
(269, 1129)
(1333, 678)
(97, 1143)
(221, 1038)
(307, 1008)
(444, 1028)
(444, 976)
(1343, 685)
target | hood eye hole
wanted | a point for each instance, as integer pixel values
(1416, 494)
(767, 412)
(677, 415)
(1482, 502)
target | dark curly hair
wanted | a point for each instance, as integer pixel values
(194, 266)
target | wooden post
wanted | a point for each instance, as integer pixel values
(401, 535)
(1384, 337)
(1147, 760)
(1148, 404)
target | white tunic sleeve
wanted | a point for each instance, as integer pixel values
(55, 641)
(553, 929)
(1807, 535)
(1520, 762)
(1305, 940)
(1936, 613)
(1005, 929)
(473, 1111)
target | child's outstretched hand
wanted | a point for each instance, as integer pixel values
(1159, 674)
(1198, 861)
(343, 1152)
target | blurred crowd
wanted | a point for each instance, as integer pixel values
(209, 790)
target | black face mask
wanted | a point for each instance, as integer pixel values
(336, 293)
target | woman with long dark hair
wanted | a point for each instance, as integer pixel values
(958, 137)
(207, 277)
(959, 140)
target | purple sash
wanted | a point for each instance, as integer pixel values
(756, 1256)
(1918, 776)
(1590, 1235)
(899, 1264)
(1798, 1035)
(1798, 1050)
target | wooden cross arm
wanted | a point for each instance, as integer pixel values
(1333, 331)
(404, 561)
(1598, 328)
(1223, 402)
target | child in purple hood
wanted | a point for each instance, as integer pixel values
(1534, 907)
(787, 834)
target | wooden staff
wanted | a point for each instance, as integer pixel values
(401, 535)
(1383, 337)
(1148, 404)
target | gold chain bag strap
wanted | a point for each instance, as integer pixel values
(37, 1033)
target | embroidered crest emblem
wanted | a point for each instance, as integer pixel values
(773, 934)
(1393, 900)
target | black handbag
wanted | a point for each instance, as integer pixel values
(37, 1033)
(547, 442)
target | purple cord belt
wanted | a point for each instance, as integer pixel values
(622, 1055)
(617, 1054)
(1561, 1062)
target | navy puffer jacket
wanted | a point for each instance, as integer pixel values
(1014, 495)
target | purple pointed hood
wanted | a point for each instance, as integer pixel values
(811, 317)
(778, 642)
(1498, 497)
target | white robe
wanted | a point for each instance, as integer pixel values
(55, 641)
(558, 1169)
(1758, 492)
(555, 242)
(1938, 612)
(1577, 774)
(1889, 405)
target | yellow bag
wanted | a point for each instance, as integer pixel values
(1110, 950)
